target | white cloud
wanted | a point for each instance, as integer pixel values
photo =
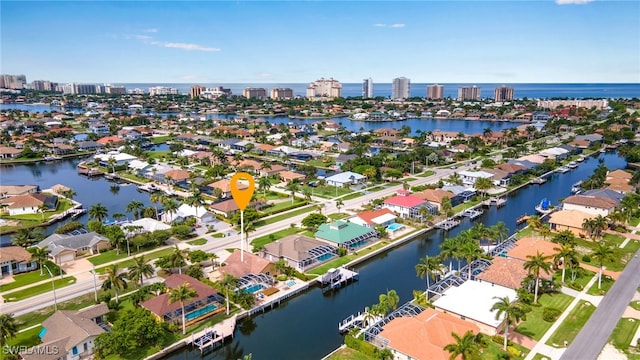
(142, 37)
(152, 30)
(183, 46)
(394, 26)
(380, 25)
(265, 74)
(573, 2)
(397, 26)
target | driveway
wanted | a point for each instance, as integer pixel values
(79, 268)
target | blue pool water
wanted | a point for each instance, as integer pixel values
(394, 227)
(291, 283)
(325, 257)
(254, 288)
(202, 311)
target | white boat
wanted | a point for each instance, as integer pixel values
(563, 169)
(572, 165)
(576, 188)
(544, 207)
(580, 159)
(148, 187)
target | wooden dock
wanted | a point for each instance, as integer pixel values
(499, 202)
(212, 336)
(472, 213)
(336, 278)
(447, 224)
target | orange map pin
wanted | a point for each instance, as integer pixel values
(243, 195)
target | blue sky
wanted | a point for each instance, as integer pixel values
(296, 41)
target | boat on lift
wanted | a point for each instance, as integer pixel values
(544, 207)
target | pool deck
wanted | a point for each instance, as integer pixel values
(269, 302)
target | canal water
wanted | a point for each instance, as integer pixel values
(306, 327)
(89, 190)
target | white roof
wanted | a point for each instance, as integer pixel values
(116, 157)
(148, 224)
(476, 174)
(186, 153)
(187, 210)
(384, 218)
(358, 221)
(138, 164)
(345, 177)
(473, 300)
(554, 151)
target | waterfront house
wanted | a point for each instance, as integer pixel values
(65, 247)
(121, 159)
(435, 196)
(185, 211)
(555, 153)
(15, 260)
(299, 251)
(29, 203)
(408, 206)
(110, 141)
(206, 303)
(343, 158)
(469, 178)
(620, 185)
(507, 272)
(571, 220)
(71, 332)
(472, 302)
(225, 186)
(424, 336)
(619, 174)
(138, 167)
(225, 208)
(345, 234)
(500, 177)
(289, 176)
(143, 225)
(604, 193)
(176, 176)
(511, 169)
(271, 169)
(15, 190)
(89, 145)
(593, 205)
(9, 152)
(372, 218)
(240, 266)
(345, 178)
(529, 246)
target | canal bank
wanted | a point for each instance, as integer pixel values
(306, 327)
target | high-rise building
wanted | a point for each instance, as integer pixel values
(503, 93)
(255, 93)
(12, 81)
(435, 91)
(215, 92)
(324, 89)
(43, 85)
(162, 90)
(82, 89)
(119, 90)
(401, 88)
(281, 93)
(196, 91)
(469, 93)
(367, 88)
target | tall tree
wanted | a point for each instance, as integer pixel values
(156, 198)
(134, 207)
(428, 267)
(389, 301)
(8, 328)
(603, 253)
(229, 282)
(567, 255)
(140, 269)
(40, 255)
(264, 184)
(182, 294)
(482, 185)
(293, 187)
(26, 237)
(510, 311)
(178, 258)
(170, 207)
(534, 265)
(465, 346)
(98, 212)
(339, 204)
(114, 280)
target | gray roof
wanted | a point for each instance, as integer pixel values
(75, 326)
(294, 247)
(346, 157)
(229, 141)
(59, 242)
(604, 193)
(589, 137)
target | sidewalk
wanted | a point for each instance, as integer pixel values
(550, 351)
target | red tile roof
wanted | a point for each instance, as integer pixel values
(408, 201)
(159, 305)
(368, 216)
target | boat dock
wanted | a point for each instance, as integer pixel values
(522, 219)
(277, 299)
(447, 224)
(359, 320)
(499, 202)
(538, 181)
(214, 335)
(336, 278)
(472, 213)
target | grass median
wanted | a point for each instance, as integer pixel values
(535, 326)
(570, 327)
(39, 289)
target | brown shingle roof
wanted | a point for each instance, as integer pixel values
(28, 200)
(434, 195)
(425, 335)
(591, 201)
(76, 326)
(177, 174)
(14, 253)
(225, 206)
(252, 264)
(225, 185)
(159, 305)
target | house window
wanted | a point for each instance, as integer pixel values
(74, 351)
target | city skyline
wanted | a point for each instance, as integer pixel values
(264, 42)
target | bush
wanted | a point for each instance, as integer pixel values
(182, 231)
(513, 351)
(550, 314)
(342, 252)
(68, 227)
(361, 345)
(586, 258)
(575, 286)
(282, 277)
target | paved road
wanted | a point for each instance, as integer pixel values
(595, 334)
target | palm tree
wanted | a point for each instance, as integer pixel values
(602, 253)
(465, 346)
(118, 216)
(40, 255)
(588, 226)
(140, 269)
(214, 257)
(534, 222)
(470, 251)
(428, 267)
(482, 185)
(501, 230)
(293, 187)
(567, 255)
(229, 282)
(170, 207)
(98, 212)
(389, 301)
(264, 184)
(182, 294)
(196, 200)
(449, 249)
(8, 328)
(339, 204)
(628, 204)
(535, 264)
(512, 311)
(178, 258)
(26, 237)
(599, 225)
(307, 194)
(41, 209)
(112, 162)
(156, 197)
(114, 280)
(545, 230)
(454, 179)
(134, 207)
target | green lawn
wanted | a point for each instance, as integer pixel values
(635, 304)
(160, 139)
(263, 240)
(571, 326)
(535, 327)
(583, 277)
(606, 285)
(157, 154)
(344, 259)
(427, 173)
(613, 239)
(623, 255)
(623, 333)
(107, 256)
(272, 195)
(464, 206)
(352, 196)
(375, 188)
(540, 357)
(63, 205)
(125, 264)
(634, 222)
(27, 338)
(132, 177)
(349, 354)
(39, 289)
(284, 216)
(29, 278)
(326, 191)
(282, 206)
(338, 216)
(197, 242)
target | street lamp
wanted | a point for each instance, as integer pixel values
(53, 285)
(95, 283)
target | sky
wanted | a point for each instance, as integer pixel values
(520, 41)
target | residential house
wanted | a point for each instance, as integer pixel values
(271, 169)
(65, 247)
(71, 332)
(225, 208)
(239, 266)
(29, 204)
(289, 176)
(205, 304)
(175, 176)
(15, 190)
(110, 141)
(9, 152)
(299, 251)
(345, 178)
(121, 159)
(89, 145)
(555, 153)
(435, 196)
(571, 220)
(225, 186)
(343, 158)
(619, 174)
(604, 193)
(15, 260)
(345, 234)
(469, 178)
(593, 205)
(507, 272)
(228, 144)
(424, 336)
(408, 206)
(372, 218)
(500, 177)
(185, 211)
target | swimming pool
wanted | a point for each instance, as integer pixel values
(325, 257)
(254, 288)
(290, 283)
(394, 227)
(202, 311)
